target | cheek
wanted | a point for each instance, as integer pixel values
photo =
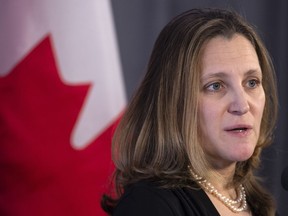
(208, 113)
(260, 105)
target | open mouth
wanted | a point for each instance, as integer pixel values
(239, 130)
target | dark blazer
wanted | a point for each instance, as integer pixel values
(145, 199)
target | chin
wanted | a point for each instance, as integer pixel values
(245, 152)
(244, 156)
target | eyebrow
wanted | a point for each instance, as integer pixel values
(225, 74)
(254, 72)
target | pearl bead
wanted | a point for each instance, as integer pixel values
(237, 205)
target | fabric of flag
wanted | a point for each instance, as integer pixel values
(61, 95)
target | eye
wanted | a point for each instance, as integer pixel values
(216, 86)
(253, 83)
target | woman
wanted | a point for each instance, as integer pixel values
(192, 135)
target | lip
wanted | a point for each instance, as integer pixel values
(239, 130)
(232, 128)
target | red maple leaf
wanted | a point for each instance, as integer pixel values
(40, 173)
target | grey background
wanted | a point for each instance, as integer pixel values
(138, 23)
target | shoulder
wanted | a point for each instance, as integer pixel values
(145, 198)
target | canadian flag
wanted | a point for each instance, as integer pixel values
(61, 95)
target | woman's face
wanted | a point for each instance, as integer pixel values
(232, 100)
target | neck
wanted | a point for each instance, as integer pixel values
(221, 175)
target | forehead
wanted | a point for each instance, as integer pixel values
(222, 54)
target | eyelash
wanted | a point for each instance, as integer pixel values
(220, 85)
(210, 86)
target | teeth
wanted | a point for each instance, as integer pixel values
(239, 129)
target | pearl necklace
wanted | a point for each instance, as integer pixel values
(230, 203)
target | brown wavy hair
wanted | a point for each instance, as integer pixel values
(159, 137)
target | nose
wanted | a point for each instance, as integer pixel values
(239, 103)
